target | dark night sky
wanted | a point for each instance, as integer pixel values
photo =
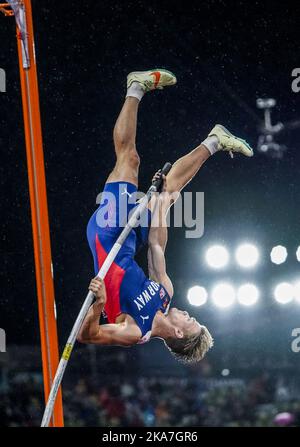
(225, 55)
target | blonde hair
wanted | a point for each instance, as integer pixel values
(190, 349)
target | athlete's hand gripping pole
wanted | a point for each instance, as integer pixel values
(90, 296)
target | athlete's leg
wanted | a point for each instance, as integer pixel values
(186, 167)
(138, 83)
(181, 173)
(127, 165)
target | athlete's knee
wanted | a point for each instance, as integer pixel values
(169, 197)
(172, 184)
(134, 159)
(129, 158)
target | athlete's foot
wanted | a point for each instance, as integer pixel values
(157, 78)
(230, 143)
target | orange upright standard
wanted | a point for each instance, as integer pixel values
(38, 197)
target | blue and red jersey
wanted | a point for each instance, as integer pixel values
(128, 289)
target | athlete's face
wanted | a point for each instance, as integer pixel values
(181, 319)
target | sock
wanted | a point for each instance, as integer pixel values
(211, 143)
(135, 90)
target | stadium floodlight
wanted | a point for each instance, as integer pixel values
(278, 254)
(223, 295)
(284, 293)
(248, 294)
(298, 254)
(217, 256)
(297, 291)
(247, 255)
(197, 296)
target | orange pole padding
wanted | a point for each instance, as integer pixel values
(39, 217)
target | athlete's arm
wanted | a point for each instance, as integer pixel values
(157, 267)
(122, 334)
(157, 241)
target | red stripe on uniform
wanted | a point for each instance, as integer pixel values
(112, 280)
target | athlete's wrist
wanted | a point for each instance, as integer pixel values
(98, 306)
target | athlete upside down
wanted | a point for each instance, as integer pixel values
(137, 306)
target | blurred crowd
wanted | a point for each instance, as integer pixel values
(155, 401)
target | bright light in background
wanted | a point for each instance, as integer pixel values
(284, 293)
(197, 296)
(298, 254)
(278, 254)
(225, 372)
(247, 255)
(297, 291)
(248, 294)
(223, 295)
(217, 256)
